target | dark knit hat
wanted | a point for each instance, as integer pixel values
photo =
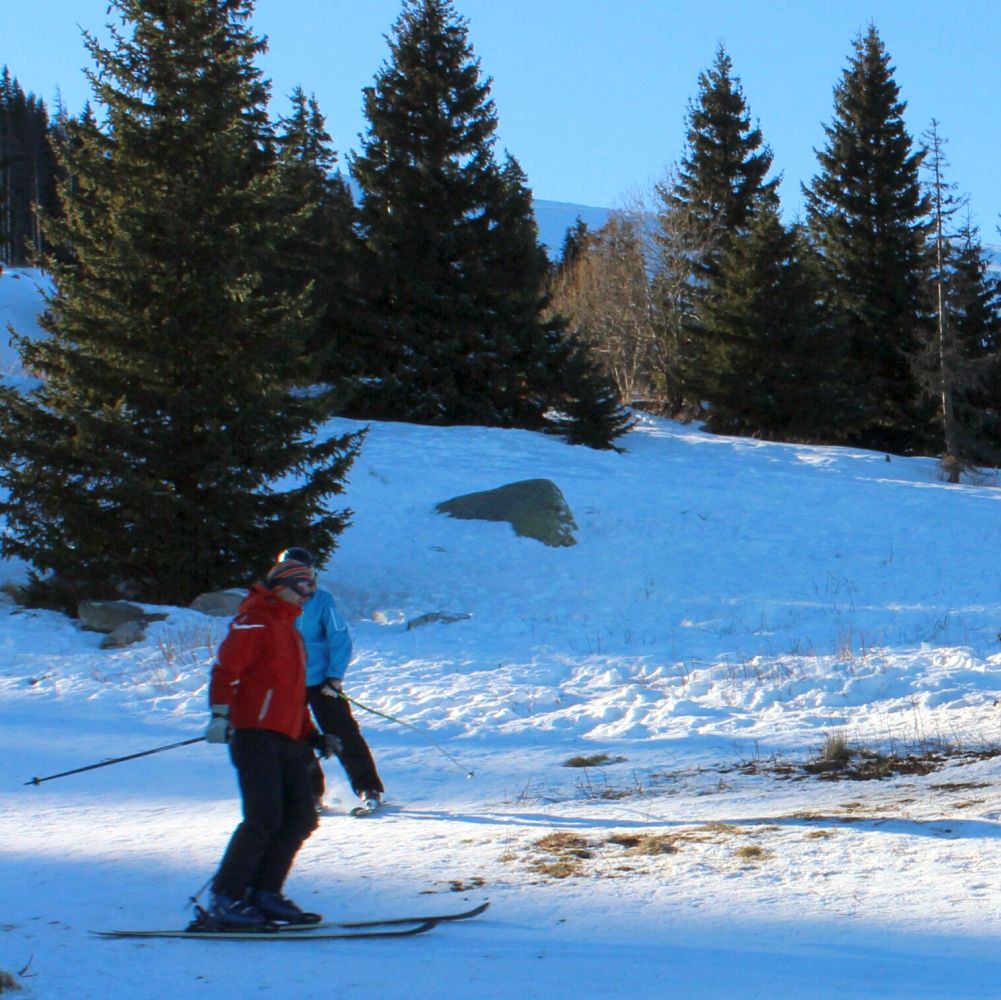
(288, 574)
(298, 554)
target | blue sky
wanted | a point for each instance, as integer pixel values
(592, 94)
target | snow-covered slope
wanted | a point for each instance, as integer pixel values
(20, 301)
(730, 607)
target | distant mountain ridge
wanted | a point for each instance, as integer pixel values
(554, 218)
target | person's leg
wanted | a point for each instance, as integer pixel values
(256, 755)
(317, 783)
(333, 715)
(298, 818)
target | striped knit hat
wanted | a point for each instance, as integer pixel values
(288, 574)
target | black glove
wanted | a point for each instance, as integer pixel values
(325, 744)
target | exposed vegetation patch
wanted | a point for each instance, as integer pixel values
(593, 760)
(959, 786)
(559, 855)
(459, 885)
(862, 765)
(8, 983)
(838, 761)
(645, 843)
(565, 854)
(753, 852)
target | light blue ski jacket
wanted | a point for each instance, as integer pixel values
(325, 633)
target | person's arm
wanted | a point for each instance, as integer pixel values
(339, 646)
(236, 652)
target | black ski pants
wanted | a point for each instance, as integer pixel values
(333, 715)
(278, 811)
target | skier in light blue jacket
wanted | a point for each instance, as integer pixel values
(328, 653)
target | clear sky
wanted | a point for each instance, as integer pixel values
(591, 94)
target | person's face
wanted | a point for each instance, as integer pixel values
(299, 593)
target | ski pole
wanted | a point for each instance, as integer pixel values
(116, 760)
(402, 722)
(193, 900)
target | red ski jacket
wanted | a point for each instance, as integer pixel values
(260, 669)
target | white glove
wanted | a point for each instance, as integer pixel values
(218, 729)
(332, 687)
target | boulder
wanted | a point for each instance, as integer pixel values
(446, 617)
(126, 634)
(221, 603)
(106, 616)
(534, 507)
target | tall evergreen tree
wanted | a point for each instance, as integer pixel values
(973, 306)
(720, 184)
(869, 218)
(455, 272)
(780, 376)
(152, 459)
(319, 250)
(27, 172)
(573, 245)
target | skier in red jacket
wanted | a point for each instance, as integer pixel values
(258, 699)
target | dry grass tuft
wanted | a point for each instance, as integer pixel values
(565, 843)
(565, 853)
(8, 984)
(654, 844)
(753, 852)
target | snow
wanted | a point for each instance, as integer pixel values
(731, 605)
(20, 300)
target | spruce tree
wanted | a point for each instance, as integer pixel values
(454, 270)
(574, 243)
(720, 184)
(591, 413)
(27, 172)
(780, 376)
(319, 249)
(869, 218)
(153, 459)
(973, 307)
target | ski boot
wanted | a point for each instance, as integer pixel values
(280, 908)
(228, 914)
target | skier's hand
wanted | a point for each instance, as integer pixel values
(325, 744)
(218, 729)
(333, 687)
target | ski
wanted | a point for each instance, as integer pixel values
(367, 807)
(276, 935)
(328, 930)
(436, 918)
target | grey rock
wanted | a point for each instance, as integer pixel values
(221, 603)
(106, 616)
(446, 617)
(126, 634)
(535, 508)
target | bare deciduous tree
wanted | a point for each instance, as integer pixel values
(606, 298)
